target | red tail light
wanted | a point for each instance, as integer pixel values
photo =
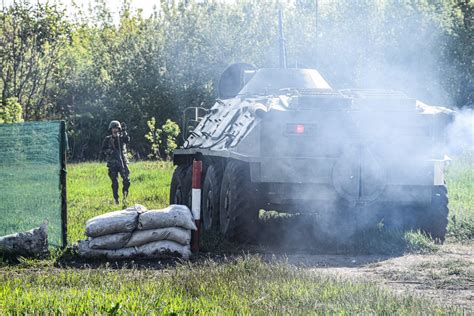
(306, 130)
(299, 129)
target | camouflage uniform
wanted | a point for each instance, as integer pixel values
(114, 149)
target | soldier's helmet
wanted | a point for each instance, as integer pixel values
(114, 124)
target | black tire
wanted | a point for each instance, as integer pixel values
(180, 189)
(434, 221)
(238, 213)
(211, 198)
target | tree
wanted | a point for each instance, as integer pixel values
(31, 42)
(458, 53)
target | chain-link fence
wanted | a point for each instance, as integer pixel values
(33, 178)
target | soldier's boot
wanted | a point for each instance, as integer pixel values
(124, 201)
(126, 185)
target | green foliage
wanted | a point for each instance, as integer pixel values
(11, 111)
(32, 39)
(154, 137)
(458, 53)
(171, 131)
(162, 140)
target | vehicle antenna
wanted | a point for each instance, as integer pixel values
(281, 40)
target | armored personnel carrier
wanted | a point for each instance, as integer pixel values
(283, 139)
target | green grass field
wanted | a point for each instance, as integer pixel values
(246, 285)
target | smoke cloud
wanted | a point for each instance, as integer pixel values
(460, 133)
(381, 47)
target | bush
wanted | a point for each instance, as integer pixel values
(11, 111)
(170, 130)
(418, 242)
(154, 138)
(162, 140)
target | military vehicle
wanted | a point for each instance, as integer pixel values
(283, 139)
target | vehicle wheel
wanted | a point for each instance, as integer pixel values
(434, 221)
(238, 212)
(180, 189)
(210, 197)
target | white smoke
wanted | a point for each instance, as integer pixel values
(460, 133)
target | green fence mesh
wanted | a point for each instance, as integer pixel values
(31, 160)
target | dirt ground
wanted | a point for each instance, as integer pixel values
(447, 276)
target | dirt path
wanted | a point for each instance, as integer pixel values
(447, 276)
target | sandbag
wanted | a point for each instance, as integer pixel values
(141, 237)
(84, 250)
(160, 248)
(172, 216)
(114, 222)
(156, 249)
(32, 243)
(112, 241)
(137, 208)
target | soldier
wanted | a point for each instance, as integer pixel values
(114, 149)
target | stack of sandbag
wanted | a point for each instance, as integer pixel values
(139, 233)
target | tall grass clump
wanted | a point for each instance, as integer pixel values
(418, 242)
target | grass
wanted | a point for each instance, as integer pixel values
(460, 181)
(417, 242)
(438, 272)
(246, 285)
(450, 274)
(391, 242)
